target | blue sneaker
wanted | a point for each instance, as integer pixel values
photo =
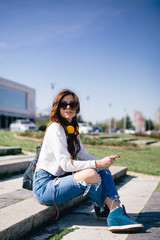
(118, 221)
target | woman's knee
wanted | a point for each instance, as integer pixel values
(87, 175)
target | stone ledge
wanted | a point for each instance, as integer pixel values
(11, 165)
(21, 218)
(10, 151)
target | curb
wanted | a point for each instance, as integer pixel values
(10, 165)
(28, 215)
(10, 151)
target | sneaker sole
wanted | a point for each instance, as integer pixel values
(126, 228)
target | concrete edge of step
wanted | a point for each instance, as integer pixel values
(28, 215)
(10, 151)
(21, 218)
(14, 166)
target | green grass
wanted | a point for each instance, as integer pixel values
(120, 135)
(130, 136)
(62, 233)
(157, 188)
(7, 139)
(145, 160)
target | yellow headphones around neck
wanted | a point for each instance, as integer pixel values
(71, 130)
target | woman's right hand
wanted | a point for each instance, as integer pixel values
(106, 162)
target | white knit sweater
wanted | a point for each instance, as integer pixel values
(54, 156)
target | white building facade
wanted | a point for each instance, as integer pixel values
(17, 101)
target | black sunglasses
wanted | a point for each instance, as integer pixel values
(64, 105)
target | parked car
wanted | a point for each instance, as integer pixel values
(84, 128)
(129, 131)
(98, 129)
(22, 125)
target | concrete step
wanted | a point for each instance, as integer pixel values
(145, 142)
(10, 165)
(20, 213)
(10, 151)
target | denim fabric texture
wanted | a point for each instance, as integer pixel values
(50, 190)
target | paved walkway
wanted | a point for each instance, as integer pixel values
(137, 194)
(150, 218)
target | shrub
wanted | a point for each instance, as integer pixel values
(99, 141)
(32, 134)
(42, 128)
(155, 135)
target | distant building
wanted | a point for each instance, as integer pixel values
(158, 118)
(17, 101)
(139, 122)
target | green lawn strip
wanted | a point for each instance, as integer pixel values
(138, 160)
(8, 139)
(145, 160)
(128, 136)
(62, 234)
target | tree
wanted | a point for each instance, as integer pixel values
(113, 123)
(128, 123)
(149, 124)
(120, 124)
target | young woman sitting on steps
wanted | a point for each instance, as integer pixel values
(65, 169)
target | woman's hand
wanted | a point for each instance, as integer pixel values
(106, 162)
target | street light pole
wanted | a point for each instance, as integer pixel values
(52, 88)
(52, 85)
(110, 105)
(88, 109)
(124, 122)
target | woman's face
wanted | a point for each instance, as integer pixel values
(68, 113)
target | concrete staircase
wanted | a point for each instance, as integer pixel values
(19, 211)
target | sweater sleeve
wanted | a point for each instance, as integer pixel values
(58, 144)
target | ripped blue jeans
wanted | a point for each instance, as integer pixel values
(50, 190)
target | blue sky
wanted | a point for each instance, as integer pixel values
(108, 50)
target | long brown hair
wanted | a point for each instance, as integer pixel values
(55, 116)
